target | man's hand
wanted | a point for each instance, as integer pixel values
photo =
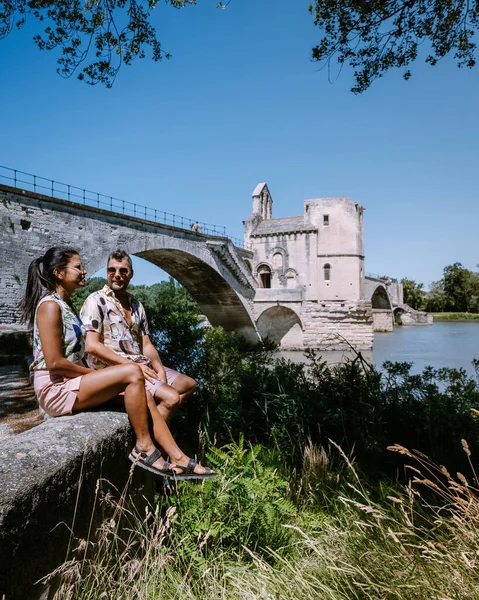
(149, 374)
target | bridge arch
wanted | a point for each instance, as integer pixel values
(380, 298)
(282, 325)
(201, 276)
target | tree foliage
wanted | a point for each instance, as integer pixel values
(457, 291)
(435, 297)
(95, 36)
(413, 293)
(373, 36)
(175, 322)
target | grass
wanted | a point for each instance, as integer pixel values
(344, 542)
(455, 316)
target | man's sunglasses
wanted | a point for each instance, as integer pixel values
(121, 270)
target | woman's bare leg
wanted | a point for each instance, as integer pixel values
(99, 387)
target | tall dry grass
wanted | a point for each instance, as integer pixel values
(346, 542)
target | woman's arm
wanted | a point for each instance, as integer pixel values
(50, 330)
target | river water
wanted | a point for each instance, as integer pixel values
(443, 344)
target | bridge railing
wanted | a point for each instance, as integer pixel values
(381, 277)
(84, 197)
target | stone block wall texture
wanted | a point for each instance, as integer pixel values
(383, 319)
(48, 484)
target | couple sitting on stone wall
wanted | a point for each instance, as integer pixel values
(105, 353)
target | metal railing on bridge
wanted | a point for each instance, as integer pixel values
(381, 277)
(64, 191)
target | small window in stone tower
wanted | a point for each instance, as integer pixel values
(325, 220)
(327, 272)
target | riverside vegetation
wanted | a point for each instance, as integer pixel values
(320, 494)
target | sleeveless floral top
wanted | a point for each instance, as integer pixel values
(73, 338)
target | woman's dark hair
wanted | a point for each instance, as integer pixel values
(40, 276)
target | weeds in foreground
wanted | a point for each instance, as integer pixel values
(212, 541)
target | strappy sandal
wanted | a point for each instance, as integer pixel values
(188, 472)
(145, 461)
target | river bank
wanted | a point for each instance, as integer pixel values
(455, 316)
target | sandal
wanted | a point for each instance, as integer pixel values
(146, 461)
(188, 472)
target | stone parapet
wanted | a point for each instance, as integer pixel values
(49, 484)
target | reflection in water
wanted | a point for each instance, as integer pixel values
(446, 344)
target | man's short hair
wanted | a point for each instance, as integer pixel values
(119, 255)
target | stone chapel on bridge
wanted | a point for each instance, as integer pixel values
(310, 271)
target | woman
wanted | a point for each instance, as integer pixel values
(62, 382)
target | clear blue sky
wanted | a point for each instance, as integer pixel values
(240, 102)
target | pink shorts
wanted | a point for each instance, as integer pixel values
(171, 376)
(55, 394)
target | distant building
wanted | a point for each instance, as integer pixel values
(310, 271)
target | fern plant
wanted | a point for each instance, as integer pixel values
(243, 510)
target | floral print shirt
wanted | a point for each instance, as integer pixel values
(103, 313)
(73, 338)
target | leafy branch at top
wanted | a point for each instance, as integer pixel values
(115, 32)
(374, 36)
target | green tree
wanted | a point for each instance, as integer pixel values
(175, 322)
(92, 285)
(95, 36)
(457, 288)
(474, 294)
(435, 297)
(373, 36)
(413, 293)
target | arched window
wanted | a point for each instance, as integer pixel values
(264, 274)
(327, 272)
(277, 260)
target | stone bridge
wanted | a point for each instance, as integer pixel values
(387, 300)
(211, 268)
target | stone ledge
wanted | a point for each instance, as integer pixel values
(44, 471)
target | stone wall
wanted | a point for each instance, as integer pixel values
(338, 325)
(49, 484)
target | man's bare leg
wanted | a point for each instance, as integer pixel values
(170, 397)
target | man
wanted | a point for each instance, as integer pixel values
(117, 332)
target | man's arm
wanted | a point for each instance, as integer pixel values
(97, 348)
(152, 354)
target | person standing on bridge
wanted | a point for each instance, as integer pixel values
(64, 384)
(117, 333)
(196, 227)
